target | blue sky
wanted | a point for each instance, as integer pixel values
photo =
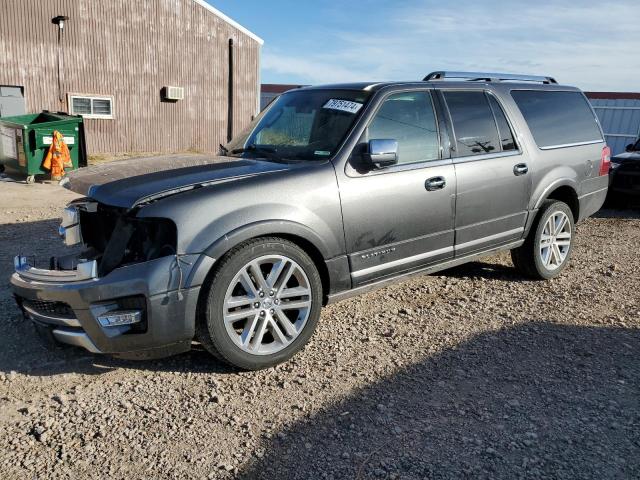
(592, 44)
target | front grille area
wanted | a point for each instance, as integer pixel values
(49, 308)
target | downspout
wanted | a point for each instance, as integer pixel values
(230, 94)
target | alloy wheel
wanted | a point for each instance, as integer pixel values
(267, 304)
(555, 240)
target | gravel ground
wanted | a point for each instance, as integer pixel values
(473, 373)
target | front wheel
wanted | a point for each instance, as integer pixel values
(546, 251)
(263, 304)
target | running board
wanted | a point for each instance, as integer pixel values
(338, 297)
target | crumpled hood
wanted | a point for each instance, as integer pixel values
(127, 183)
(626, 156)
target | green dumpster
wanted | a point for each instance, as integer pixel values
(25, 141)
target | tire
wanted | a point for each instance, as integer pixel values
(542, 262)
(250, 331)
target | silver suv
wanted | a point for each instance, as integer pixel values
(330, 192)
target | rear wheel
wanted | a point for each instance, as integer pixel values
(263, 304)
(546, 251)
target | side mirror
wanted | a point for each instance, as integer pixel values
(629, 148)
(382, 153)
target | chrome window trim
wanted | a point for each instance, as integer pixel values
(405, 168)
(567, 145)
(487, 156)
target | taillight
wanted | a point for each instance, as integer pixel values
(605, 161)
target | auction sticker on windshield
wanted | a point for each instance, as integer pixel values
(343, 105)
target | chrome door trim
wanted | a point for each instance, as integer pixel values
(401, 261)
(490, 238)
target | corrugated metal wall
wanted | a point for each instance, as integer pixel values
(130, 49)
(619, 117)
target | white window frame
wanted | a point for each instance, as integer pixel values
(71, 96)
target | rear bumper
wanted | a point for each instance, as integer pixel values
(170, 297)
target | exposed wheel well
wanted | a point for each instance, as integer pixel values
(569, 196)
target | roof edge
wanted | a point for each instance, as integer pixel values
(229, 20)
(613, 95)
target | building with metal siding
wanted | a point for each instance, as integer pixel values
(112, 59)
(619, 115)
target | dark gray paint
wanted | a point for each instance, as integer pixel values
(370, 227)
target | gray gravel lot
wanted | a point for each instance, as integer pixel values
(473, 373)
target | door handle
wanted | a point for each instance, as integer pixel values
(520, 169)
(435, 183)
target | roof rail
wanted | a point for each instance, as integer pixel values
(488, 77)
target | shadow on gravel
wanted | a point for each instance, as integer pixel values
(624, 212)
(490, 271)
(535, 401)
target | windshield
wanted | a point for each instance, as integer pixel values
(301, 125)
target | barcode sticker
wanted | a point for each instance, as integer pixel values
(343, 105)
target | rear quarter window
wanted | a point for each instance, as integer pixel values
(557, 118)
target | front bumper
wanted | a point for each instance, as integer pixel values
(67, 307)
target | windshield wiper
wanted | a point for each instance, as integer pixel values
(267, 152)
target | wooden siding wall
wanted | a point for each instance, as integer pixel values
(130, 49)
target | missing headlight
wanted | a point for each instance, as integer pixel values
(137, 240)
(116, 237)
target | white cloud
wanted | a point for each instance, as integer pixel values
(593, 46)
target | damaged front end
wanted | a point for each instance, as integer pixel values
(112, 237)
(121, 292)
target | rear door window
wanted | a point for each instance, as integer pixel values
(504, 130)
(557, 118)
(473, 123)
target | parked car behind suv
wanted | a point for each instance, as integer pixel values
(330, 192)
(625, 172)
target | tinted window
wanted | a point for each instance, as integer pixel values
(302, 124)
(504, 130)
(473, 122)
(557, 118)
(409, 119)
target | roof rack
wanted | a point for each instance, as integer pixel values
(488, 77)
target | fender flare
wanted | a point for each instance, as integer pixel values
(533, 212)
(561, 182)
(226, 242)
(263, 228)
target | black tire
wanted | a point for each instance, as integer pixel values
(211, 331)
(526, 258)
